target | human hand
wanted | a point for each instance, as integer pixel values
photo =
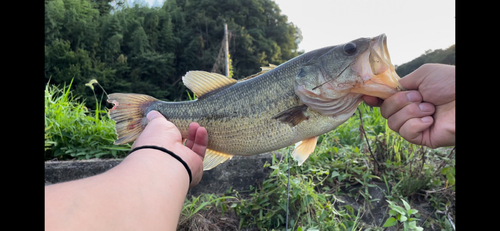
(163, 133)
(425, 114)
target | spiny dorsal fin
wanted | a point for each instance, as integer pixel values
(202, 82)
(293, 116)
(214, 158)
(263, 70)
(303, 149)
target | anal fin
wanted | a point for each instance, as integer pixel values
(303, 149)
(214, 158)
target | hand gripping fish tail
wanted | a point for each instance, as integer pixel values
(129, 113)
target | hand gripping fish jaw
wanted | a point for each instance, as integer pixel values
(378, 74)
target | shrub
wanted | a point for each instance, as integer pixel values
(72, 131)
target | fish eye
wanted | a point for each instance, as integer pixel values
(350, 48)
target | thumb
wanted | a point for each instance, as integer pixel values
(153, 115)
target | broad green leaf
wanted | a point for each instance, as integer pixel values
(451, 178)
(398, 209)
(412, 211)
(444, 171)
(412, 225)
(407, 206)
(393, 212)
(324, 213)
(390, 222)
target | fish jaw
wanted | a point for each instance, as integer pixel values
(378, 74)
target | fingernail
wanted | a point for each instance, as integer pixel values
(152, 114)
(425, 107)
(413, 96)
(427, 119)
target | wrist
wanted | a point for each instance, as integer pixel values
(168, 152)
(163, 166)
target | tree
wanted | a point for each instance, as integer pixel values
(446, 56)
(147, 50)
(110, 39)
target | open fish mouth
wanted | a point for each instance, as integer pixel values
(378, 74)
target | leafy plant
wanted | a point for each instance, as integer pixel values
(343, 159)
(402, 215)
(72, 131)
(449, 172)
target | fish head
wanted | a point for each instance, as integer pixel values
(335, 78)
(374, 67)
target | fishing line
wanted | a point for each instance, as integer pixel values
(287, 189)
(314, 88)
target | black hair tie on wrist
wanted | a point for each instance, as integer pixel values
(168, 152)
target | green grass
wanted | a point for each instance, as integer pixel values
(343, 158)
(74, 132)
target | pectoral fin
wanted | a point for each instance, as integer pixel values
(293, 116)
(214, 158)
(303, 149)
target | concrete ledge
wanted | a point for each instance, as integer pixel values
(61, 171)
(239, 173)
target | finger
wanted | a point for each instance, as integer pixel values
(372, 101)
(398, 101)
(153, 115)
(200, 142)
(413, 110)
(199, 147)
(191, 134)
(413, 129)
(413, 80)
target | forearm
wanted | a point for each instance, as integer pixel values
(146, 191)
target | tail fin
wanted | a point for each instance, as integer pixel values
(129, 114)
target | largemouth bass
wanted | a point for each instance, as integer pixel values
(292, 103)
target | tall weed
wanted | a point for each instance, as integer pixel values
(72, 132)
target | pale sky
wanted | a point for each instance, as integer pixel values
(412, 27)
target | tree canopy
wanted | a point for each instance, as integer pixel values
(147, 50)
(446, 56)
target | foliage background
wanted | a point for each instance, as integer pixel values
(147, 50)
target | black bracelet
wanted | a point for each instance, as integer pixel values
(169, 152)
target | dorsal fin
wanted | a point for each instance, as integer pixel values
(263, 70)
(202, 82)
